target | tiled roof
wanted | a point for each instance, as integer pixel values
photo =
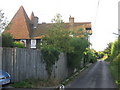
(42, 28)
(19, 26)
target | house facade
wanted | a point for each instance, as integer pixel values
(29, 31)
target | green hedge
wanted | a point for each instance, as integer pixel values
(18, 44)
(115, 69)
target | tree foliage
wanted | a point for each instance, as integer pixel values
(91, 55)
(3, 22)
(115, 48)
(56, 40)
(101, 54)
(79, 45)
(108, 49)
(7, 40)
(50, 55)
(115, 61)
(57, 36)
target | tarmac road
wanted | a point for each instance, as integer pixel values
(96, 76)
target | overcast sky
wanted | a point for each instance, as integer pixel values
(104, 18)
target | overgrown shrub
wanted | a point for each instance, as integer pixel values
(115, 69)
(7, 40)
(58, 39)
(115, 49)
(50, 56)
(90, 56)
(115, 61)
(75, 56)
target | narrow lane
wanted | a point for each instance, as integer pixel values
(97, 76)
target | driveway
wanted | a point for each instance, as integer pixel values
(96, 76)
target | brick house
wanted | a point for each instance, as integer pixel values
(28, 30)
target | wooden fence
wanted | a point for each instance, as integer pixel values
(24, 63)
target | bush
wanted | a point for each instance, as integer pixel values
(18, 44)
(76, 55)
(115, 49)
(90, 55)
(50, 55)
(115, 69)
(7, 40)
(73, 60)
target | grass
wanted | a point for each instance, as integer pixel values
(32, 83)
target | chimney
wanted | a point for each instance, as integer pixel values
(34, 20)
(71, 20)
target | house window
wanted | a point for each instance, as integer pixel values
(33, 43)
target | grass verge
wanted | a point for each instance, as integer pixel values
(32, 83)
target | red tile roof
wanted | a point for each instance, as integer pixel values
(20, 25)
(42, 28)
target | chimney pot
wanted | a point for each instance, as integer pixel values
(71, 20)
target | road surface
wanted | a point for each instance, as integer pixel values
(96, 76)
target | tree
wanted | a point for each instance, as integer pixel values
(79, 46)
(57, 36)
(100, 54)
(108, 49)
(7, 40)
(56, 40)
(91, 55)
(115, 48)
(3, 22)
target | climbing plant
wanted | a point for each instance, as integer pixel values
(50, 56)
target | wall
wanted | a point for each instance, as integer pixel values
(28, 63)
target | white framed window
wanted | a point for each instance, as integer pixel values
(33, 43)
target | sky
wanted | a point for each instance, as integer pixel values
(104, 16)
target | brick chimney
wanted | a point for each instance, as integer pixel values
(71, 20)
(34, 20)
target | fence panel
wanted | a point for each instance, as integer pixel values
(24, 63)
